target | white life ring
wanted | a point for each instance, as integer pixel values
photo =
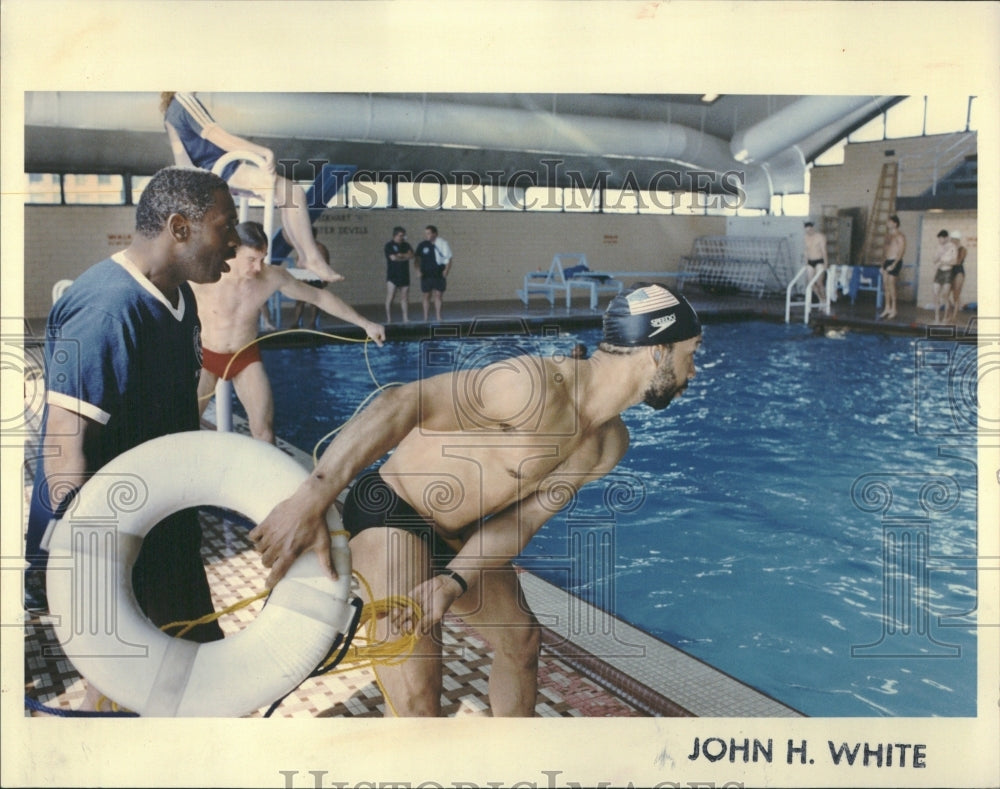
(98, 620)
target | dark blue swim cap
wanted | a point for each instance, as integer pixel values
(650, 315)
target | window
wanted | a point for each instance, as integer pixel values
(906, 119)
(721, 204)
(42, 188)
(139, 184)
(424, 195)
(689, 203)
(946, 114)
(832, 156)
(503, 198)
(795, 205)
(582, 200)
(656, 202)
(339, 200)
(462, 197)
(621, 201)
(872, 131)
(543, 198)
(94, 189)
(367, 194)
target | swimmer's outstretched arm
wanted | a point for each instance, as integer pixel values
(328, 302)
(299, 523)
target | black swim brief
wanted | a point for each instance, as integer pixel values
(816, 262)
(892, 266)
(372, 503)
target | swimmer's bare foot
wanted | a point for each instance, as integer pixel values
(322, 269)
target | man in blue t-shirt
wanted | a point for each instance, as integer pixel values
(197, 139)
(122, 359)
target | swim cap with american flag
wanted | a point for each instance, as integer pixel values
(650, 315)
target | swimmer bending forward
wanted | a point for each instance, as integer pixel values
(480, 486)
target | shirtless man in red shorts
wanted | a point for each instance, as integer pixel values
(229, 310)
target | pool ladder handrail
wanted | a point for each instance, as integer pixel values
(224, 389)
(807, 298)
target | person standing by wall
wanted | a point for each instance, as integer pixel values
(957, 278)
(229, 310)
(816, 258)
(398, 254)
(895, 248)
(944, 264)
(433, 259)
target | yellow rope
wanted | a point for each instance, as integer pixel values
(370, 653)
(378, 387)
(362, 404)
(187, 626)
(262, 337)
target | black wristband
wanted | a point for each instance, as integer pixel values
(452, 574)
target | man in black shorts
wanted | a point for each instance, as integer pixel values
(816, 257)
(398, 254)
(895, 246)
(433, 258)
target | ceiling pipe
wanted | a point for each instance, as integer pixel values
(369, 118)
(787, 171)
(798, 120)
(377, 118)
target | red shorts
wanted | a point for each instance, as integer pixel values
(217, 363)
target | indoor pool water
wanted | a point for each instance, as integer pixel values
(798, 519)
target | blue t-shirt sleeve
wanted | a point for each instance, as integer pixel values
(87, 364)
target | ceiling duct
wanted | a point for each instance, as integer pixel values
(793, 123)
(379, 118)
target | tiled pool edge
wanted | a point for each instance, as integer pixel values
(656, 676)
